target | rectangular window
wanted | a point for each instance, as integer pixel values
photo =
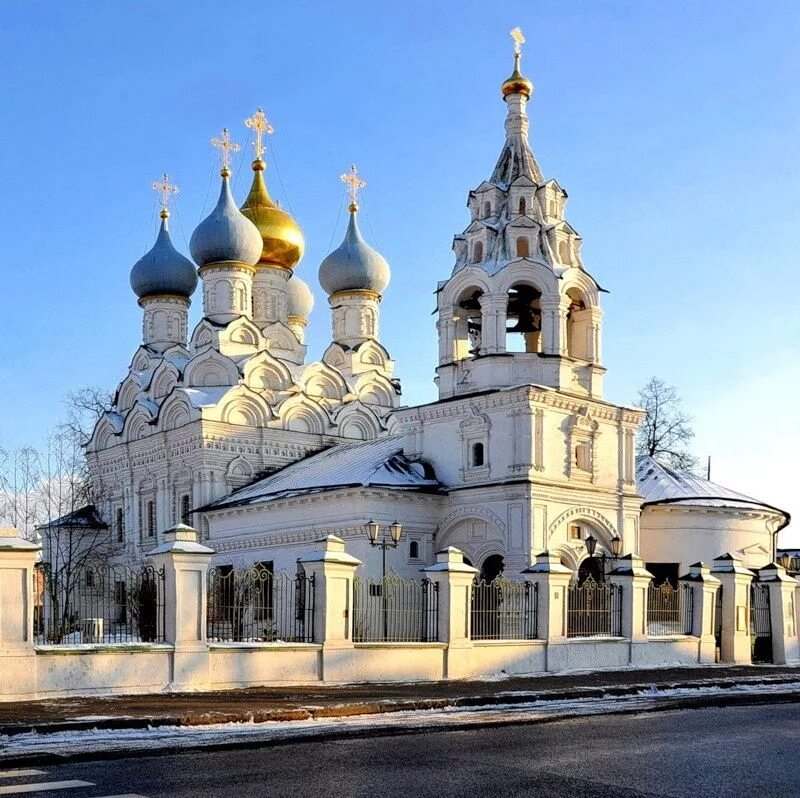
(151, 519)
(120, 525)
(90, 579)
(575, 532)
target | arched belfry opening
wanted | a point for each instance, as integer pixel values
(578, 326)
(469, 324)
(524, 319)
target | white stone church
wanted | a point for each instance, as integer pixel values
(234, 429)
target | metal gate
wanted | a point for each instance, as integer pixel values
(760, 623)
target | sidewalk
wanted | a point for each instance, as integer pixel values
(325, 701)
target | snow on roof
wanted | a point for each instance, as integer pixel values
(378, 463)
(82, 518)
(659, 484)
(205, 397)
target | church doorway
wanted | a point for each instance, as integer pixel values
(591, 567)
(492, 567)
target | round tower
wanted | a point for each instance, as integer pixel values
(164, 281)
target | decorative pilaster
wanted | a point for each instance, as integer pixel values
(354, 316)
(269, 295)
(227, 291)
(165, 320)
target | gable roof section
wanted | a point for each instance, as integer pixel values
(659, 484)
(378, 464)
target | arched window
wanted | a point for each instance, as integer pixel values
(120, 525)
(477, 455)
(523, 247)
(524, 320)
(413, 550)
(477, 252)
(522, 206)
(578, 326)
(468, 324)
(151, 519)
(487, 208)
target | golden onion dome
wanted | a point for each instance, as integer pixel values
(517, 83)
(283, 243)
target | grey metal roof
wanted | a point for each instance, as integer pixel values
(659, 484)
(378, 463)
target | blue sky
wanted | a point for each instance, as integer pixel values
(673, 126)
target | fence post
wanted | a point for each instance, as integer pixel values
(185, 562)
(735, 623)
(781, 586)
(333, 570)
(454, 578)
(552, 580)
(18, 558)
(634, 579)
(704, 589)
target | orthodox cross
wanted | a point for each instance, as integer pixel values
(258, 122)
(354, 183)
(165, 190)
(225, 146)
(519, 40)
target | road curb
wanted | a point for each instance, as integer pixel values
(357, 708)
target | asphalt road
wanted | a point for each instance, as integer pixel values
(737, 751)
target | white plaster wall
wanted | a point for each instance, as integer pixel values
(601, 652)
(489, 658)
(657, 653)
(387, 662)
(245, 665)
(689, 535)
(65, 671)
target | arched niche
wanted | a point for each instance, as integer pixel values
(524, 319)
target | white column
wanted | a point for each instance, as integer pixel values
(735, 583)
(634, 579)
(704, 588)
(17, 656)
(782, 587)
(185, 562)
(333, 571)
(454, 579)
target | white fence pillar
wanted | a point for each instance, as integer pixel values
(333, 570)
(552, 580)
(18, 559)
(782, 587)
(454, 579)
(185, 562)
(704, 588)
(735, 582)
(634, 580)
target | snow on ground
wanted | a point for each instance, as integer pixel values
(184, 737)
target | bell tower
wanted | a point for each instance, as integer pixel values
(519, 307)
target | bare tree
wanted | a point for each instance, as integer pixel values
(20, 499)
(666, 432)
(85, 407)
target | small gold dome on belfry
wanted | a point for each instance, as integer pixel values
(517, 83)
(282, 237)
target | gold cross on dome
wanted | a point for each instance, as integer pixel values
(519, 40)
(354, 183)
(225, 147)
(258, 122)
(165, 190)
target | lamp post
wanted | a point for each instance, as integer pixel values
(391, 542)
(616, 550)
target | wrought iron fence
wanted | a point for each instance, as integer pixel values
(594, 609)
(257, 606)
(760, 623)
(395, 610)
(504, 610)
(98, 603)
(669, 609)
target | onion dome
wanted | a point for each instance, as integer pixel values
(299, 299)
(163, 270)
(225, 235)
(354, 266)
(283, 243)
(517, 83)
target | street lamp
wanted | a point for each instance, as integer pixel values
(785, 560)
(616, 550)
(395, 533)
